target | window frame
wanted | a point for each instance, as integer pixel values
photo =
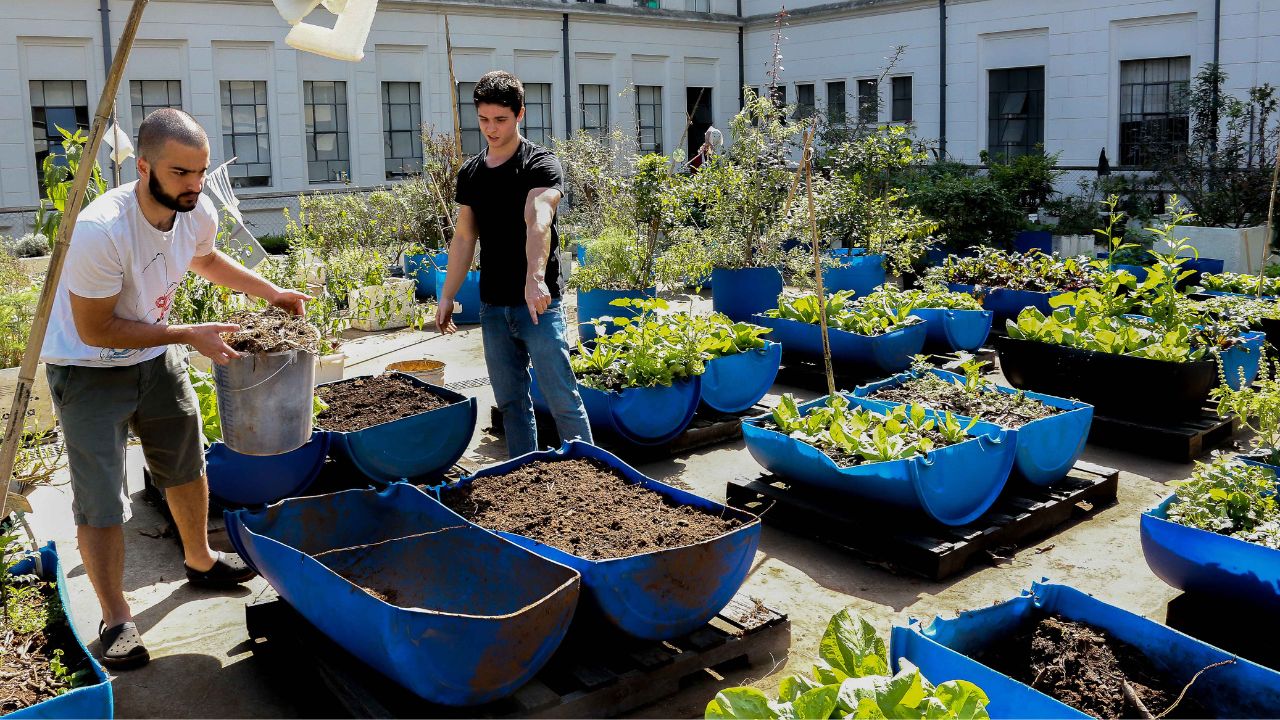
(842, 116)
(1140, 151)
(655, 102)
(407, 165)
(468, 123)
(50, 140)
(546, 131)
(335, 172)
(1000, 119)
(868, 104)
(805, 110)
(601, 106)
(239, 172)
(896, 97)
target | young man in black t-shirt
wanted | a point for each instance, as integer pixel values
(507, 197)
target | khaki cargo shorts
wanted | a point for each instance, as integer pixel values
(98, 406)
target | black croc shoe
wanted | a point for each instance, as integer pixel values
(122, 647)
(228, 571)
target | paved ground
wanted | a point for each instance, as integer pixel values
(203, 665)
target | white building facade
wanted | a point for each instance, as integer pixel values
(1071, 74)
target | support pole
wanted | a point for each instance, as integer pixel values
(453, 87)
(75, 199)
(807, 160)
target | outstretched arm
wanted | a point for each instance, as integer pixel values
(539, 213)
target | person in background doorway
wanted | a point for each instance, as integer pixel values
(507, 197)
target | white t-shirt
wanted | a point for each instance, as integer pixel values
(115, 250)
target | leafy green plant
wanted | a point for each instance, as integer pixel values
(29, 245)
(851, 679)
(1230, 497)
(1033, 271)
(1030, 178)
(1257, 407)
(58, 172)
(856, 317)
(1240, 284)
(971, 210)
(932, 296)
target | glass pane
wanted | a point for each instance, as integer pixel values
(81, 96)
(340, 91)
(1155, 99)
(317, 171)
(1180, 69)
(242, 93)
(340, 114)
(37, 92)
(58, 92)
(1157, 71)
(155, 92)
(64, 118)
(322, 117)
(326, 146)
(1014, 104)
(321, 92)
(226, 92)
(413, 92)
(399, 92)
(260, 92)
(400, 144)
(246, 148)
(135, 94)
(260, 116)
(400, 118)
(309, 117)
(242, 118)
(264, 148)
(1014, 130)
(227, 125)
(175, 93)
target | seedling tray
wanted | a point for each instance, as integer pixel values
(1182, 441)
(593, 674)
(913, 543)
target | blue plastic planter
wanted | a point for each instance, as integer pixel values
(734, 383)
(660, 594)
(594, 304)
(890, 352)
(1246, 459)
(237, 480)
(1243, 357)
(1027, 240)
(1006, 303)
(927, 484)
(468, 294)
(416, 447)
(1206, 562)
(93, 700)
(582, 255)
(945, 650)
(952, 330)
(422, 268)
(472, 617)
(1047, 448)
(1200, 266)
(858, 272)
(639, 415)
(743, 293)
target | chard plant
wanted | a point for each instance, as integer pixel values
(1230, 497)
(855, 435)
(851, 678)
(1034, 271)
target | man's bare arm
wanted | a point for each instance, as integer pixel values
(98, 325)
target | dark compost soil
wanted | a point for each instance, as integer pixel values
(1003, 409)
(271, 330)
(1086, 669)
(29, 632)
(584, 508)
(364, 402)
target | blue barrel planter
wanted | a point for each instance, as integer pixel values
(594, 304)
(1253, 460)
(745, 292)
(1006, 303)
(952, 330)
(422, 269)
(1215, 565)
(1235, 294)
(890, 352)
(93, 699)
(489, 617)
(945, 650)
(639, 415)
(468, 294)
(416, 447)
(734, 383)
(1243, 357)
(1201, 266)
(922, 483)
(653, 595)
(858, 271)
(1047, 448)
(582, 255)
(237, 480)
(1027, 240)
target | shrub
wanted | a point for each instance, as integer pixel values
(970, 210)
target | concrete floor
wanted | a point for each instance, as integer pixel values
(203, 665)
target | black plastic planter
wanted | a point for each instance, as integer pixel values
(1119, 386)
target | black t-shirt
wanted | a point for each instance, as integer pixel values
(497, 197)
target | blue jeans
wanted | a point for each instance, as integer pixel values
(511, 341)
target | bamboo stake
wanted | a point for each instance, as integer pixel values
(807, 161)
(1271, 216)
(40, 323)
(453, 87)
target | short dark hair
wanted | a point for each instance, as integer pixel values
(168, 124)
(500, 87)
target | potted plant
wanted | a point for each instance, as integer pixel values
(1076, 218)
(954, 321)
(1008, 282)
(869, 336)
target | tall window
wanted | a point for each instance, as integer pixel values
(537, 113)
(1015, 111)
(868, 101)
(401, 128)
(835, 102)
(1153, 111)
(901, 110)
(649, 118)
(468, 123)
(595, 109)
(245, 132)
(703, 6)
(56, 104)
(324, 107)
(147, 96)
(805, 103)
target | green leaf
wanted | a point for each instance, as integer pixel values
(740, 702)
(904, 692)
(962, 699)
(854, 691)
(793, 686)
(867, 709)
(816, 704)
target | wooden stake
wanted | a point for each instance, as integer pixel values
(40, 323)
(1271, 228)
(453, 87)
(807, 162)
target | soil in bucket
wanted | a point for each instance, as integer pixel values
(367, 401)
(1087, 669)
(31, 627)
(270, 331)
(1003, 409)
(585, 508)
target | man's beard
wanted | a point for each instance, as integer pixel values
(173, 202)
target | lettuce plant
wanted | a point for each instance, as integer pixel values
(1016, 271)
(1239, 283)
(931, 297)
(856, 435)
(861, 318)
(851, 679)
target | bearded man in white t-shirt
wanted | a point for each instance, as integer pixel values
(115, 364)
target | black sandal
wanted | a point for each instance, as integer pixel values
(228, 571)
(122, 647)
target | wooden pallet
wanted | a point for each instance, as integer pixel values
(914, 543)
(707, 428)
(594, 673)
(810, 375)
(1182, 442)
(1225, 625)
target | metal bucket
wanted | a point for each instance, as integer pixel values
(427, 370)
(264, 401)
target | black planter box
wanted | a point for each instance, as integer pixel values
(1118, 386)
